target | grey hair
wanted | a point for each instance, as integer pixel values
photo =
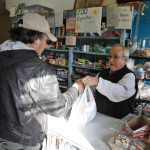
(125, 51)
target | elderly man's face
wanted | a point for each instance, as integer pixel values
(116, 59)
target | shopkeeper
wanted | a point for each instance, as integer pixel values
(116, 86)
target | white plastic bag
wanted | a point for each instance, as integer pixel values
(84, 108)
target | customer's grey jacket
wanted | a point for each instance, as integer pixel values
(28, 92)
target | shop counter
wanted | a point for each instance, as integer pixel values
(93, 136)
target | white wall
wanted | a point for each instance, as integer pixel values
(55, 4)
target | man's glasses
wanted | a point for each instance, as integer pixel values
(114, 57)
(49, 42)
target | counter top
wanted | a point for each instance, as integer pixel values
(93, 136)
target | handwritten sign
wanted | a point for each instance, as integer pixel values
(70, 40)
(58, 18)
(51, 21)
(88, 20)
(120, 17)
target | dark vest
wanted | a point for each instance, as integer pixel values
(114, 109)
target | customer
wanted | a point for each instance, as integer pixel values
(28, 88)
(116, 86)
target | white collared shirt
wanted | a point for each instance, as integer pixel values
(117, 92)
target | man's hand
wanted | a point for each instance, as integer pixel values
(90, 81)
(81, 86)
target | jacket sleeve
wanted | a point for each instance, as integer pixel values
(44, 91)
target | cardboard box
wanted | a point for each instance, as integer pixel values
(138, 128)
(79, 4)
(94, 3)
(87, 3)
(109, 3)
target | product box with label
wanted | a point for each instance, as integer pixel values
(138, 128)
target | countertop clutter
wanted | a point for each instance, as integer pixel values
(103, 133)
(134, 134)
(93, 136)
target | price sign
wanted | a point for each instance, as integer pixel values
(88, 20)
(71, 40)
(120, 17)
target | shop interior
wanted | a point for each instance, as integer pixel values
(86, 31)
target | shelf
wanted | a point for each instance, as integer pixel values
(142, 101)
(75, 78)
(59, 65)
(87, 68)
(63, 86)
(64, 77)
(36, 6)
(143, 79)
(16, 17)
(93, 37)
(98, 37)
(146, 79)
(56, 50)
(61, 37)
(90, 53)
(140, 57)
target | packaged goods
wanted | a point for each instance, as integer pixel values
(147, 69)
(123, 141)
(138, 128)
(145, 92)
(146, 110)
(138, 145)
(140, 73)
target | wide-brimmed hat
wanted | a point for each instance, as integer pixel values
(37, 22)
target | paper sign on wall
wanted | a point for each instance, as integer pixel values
(119, 17)
(58, 18)
(51, 21)
(88, 20)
